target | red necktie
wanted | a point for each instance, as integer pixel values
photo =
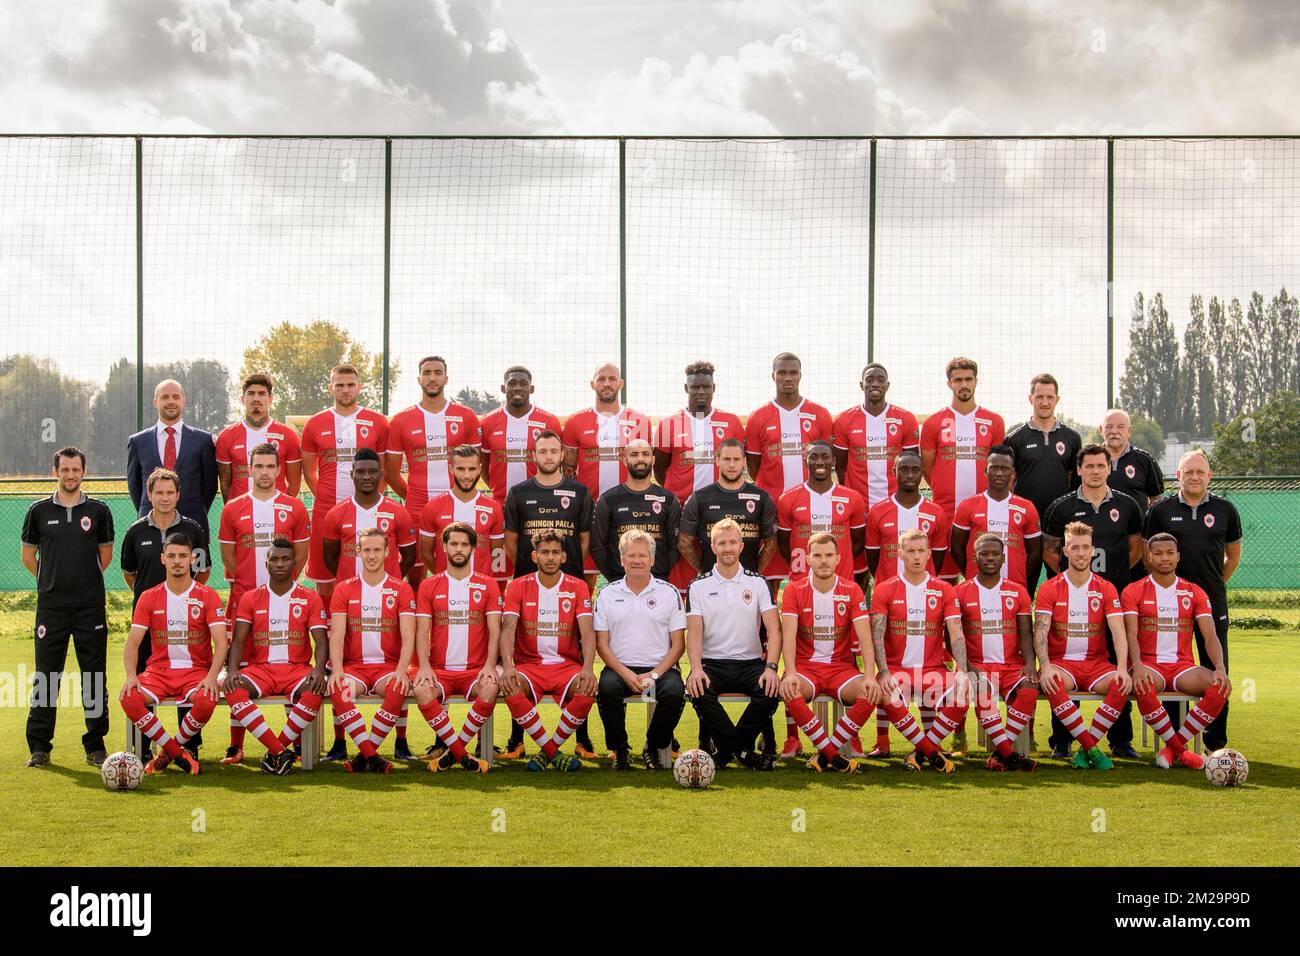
(169, 450)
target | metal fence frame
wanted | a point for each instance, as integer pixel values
(140, 139)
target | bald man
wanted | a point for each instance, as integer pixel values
(636, 503)
(170, 443)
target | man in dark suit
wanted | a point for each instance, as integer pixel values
(170, 443)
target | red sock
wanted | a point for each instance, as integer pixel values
(381, 725)
(851, 722)
(990, 719)
(1108, 710)
(350, 719)
(572, 715)
(338, 727)
(478, 716)
(946, 720)
(1067, 712)
(812, 726)
(137, 711)
(523, 711)
(882, 729)
(236, 732)
(1020, 710)
(201, 709)
(250, 717)
(401, 720)
(1201, 714)
(1157, 718)
(791, 727)
(440, 721)
(906, 725)
(302, 713)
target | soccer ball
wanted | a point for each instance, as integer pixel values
(694, 769)
(1226, 768)
(121, 771)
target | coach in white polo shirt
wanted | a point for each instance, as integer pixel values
(640, 632)
(724, 643)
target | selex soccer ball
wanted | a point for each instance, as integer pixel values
(694, 769)
(122, 771)
(1226, 768)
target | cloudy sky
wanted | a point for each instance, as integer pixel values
(508, 252)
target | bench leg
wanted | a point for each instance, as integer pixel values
(309, 742)
(486, 737)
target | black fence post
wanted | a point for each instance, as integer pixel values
(1110, 273)
(622, 263)
(871, 259)
(139, 284)
(388, 252)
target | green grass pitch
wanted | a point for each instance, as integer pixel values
(61, 815)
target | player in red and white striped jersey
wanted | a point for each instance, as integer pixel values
(510, 432)
(914, 620)
(823, 615)
(594, 439)
(1073, 614)
(686, 445)
(367, 508)
(457, 626)
(903, 511)
(1162, 614)
(465, 503)
(868, 440)
(954, 443)
(995, 614)
(275, 627)
(330, 441)
(187, 631)
(236, 442)
(819, 504)
(998, 511)
(777, 436)
(372, 644)
(422, 437)
(548, 647)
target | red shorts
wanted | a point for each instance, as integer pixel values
(999, 680)
(589, 565)
(316, 569)
(1087, 673)
(163, 683)
(1171, 672)
(276, 680)
(929, 686)
(682, 575)
(777, 568)
(368, 675)
(451, 683)
(949, 569)
(237, 591)
(827, 679)
(553, 679)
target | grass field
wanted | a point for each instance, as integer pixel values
(1134, 815)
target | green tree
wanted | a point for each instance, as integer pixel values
(113, 411)
(1264, 441)
(47, 411)
(1136, 384)
(481, 402)
(1224, 354)
(1199, 408)
(298, 359)
(1166, 405)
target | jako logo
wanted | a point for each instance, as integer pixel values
(103, 909)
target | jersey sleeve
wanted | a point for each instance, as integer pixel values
(1024, 604)
(513, 602)
(999, 430)
(571, 430)
(663, 440)
(140, 616)
(424, 521)
(382, 431)
(584, 516)
(316, 616)
(329, 528)
(950, 607)
(309, 437)
(1155, 485)
(764, 596)
(510, 512)
(497, 528)
(825, 424)
(930, 433)
(1201, 603)
(226, 528)
(690, 523)
(1134, 523)
(491, 597)
(1052, 526)
(405, 600)
(601, 623)
(127, 559)
(225, 454)
(1031, 528)
(873, 529)
(785, 511)
(1045, 598)
(768, 516)
(880, 599)
(1233, 532)
(424, 598)
(857, 510)
(106, 526)
(1110, 599)
(789, 603)
(858, 608)
(754, 435)
(475, 437)
(677, 620)
(393, 444)
(247, 605)
(583, 599)
(1129, 599)
(32, 527)
(911, 431)
(941, 535)
(840, 430)
(214, 612)
(292, 446)
(301, 522)
(339, 601)
(961, 519)
(406, 535)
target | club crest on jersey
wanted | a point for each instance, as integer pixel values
(85, 523)
(482, 517)
(1011, 603)
(984, 429)
(1060, 448)
(932, 601)
(656, 506)
(841, 608)
(925, 526)
(746, 595)
(564, 502)
(1095, 604)
(195, 611)
(476, 596)
(807, 424)
(1130, 471)
(650, 602)
(40, 631)
(390, 602)
(1209, 521)
(566, 605)
(363, 431)
(893, 429)
(719, 431)
(1114, 514)
(297, 610)
(749, 506)
(1015, 517)
(839, 507)
(1187, 602)
(383, 524)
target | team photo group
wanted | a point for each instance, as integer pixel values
(784, 562)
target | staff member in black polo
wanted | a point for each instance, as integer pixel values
(636, 503)
(67, 542)
(729, 607)
(1208, 529)
(733, 496)
(1132, 470)
(1046, 457)
(1116, 522)
(140, 557)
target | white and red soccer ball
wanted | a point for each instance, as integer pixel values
(1226, 768)
(121, 771)
(694, 769)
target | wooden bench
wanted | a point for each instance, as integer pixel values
(1025, 742)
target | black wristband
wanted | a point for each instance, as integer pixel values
(770, 666)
